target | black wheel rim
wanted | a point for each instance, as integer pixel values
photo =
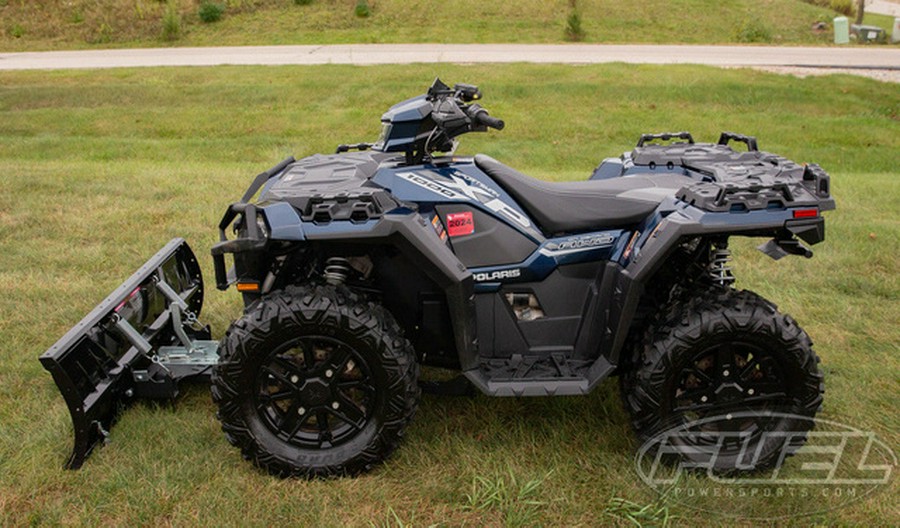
(742, 384)
(315, 392)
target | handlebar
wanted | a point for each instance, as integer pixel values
(481, 117)
(452, 112)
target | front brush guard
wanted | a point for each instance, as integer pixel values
(139, 342)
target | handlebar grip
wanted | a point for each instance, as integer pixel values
(482, 117)
(492, 122)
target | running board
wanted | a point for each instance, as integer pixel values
(137, 343)
(538, 376)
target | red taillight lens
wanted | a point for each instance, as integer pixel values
(806, 213)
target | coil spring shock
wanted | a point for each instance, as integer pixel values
(719, 270)
(336, 270)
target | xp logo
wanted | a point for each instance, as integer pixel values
(498, 275)
(467, 189)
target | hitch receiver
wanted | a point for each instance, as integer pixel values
(137, 343)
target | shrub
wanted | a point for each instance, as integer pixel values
(574, 31)
(302, 2)
(104, 33)
(753, 30)
(362, 9)
(210, 11)
(17, 31)
(171, 22)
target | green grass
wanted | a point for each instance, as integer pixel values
(65, 24)
(100, 168)
(885, 22)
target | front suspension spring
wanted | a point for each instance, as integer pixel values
(336, 270)
(719, 269)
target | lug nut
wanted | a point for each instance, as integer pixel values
(750, 392)
(301, 411)
(728, 416)
(329, 373)
(703, 399)
(295, 378)
(725, 373)
(335, 405)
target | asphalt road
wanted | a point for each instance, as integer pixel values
(883, 7)
(885, 58)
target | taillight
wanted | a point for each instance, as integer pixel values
(806, 213)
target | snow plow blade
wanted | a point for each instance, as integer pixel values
(138, 343)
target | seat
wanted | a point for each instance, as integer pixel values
(569, 207)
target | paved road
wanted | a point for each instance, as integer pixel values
(365, 54)
(883, 7)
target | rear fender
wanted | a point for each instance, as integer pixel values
(674, 223)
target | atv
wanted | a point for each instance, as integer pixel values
(357, 268)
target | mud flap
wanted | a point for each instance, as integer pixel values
(139, 342)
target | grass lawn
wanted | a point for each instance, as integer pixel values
(65, 24)
(99, 168)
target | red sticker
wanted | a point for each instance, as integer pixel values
(459, 224)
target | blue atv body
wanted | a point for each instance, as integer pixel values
(360, 266)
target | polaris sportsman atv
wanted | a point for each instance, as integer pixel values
(358, 267)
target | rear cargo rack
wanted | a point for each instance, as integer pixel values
(735, 180)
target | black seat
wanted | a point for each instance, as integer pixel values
(569, 207)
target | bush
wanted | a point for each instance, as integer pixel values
(362, 9)
(302, 2)
(753, 30)
(210, 11)
(17, 31)
(104, 34)
(171, 22)
(574, 31)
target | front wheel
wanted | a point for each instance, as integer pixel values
(313, 382)
(725, 372)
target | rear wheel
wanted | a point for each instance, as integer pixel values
(725, 371)
(314, 382)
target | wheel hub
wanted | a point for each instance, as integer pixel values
(314, 392)
(729, 392)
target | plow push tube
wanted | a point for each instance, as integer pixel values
(111, 355)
